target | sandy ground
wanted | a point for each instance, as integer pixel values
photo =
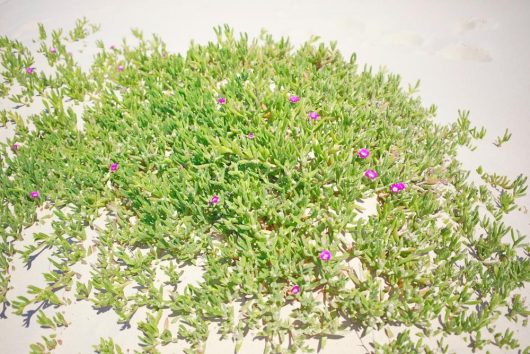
(469, 55)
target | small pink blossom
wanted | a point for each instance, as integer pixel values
(325, 255)
(30, 70)
(294, 99)
(120, 68)
(397, 187)
(221, 100)
(34, 194)
(53, 50)
(250, 135)
(371, 174)
(15, 147)
(214, 200)
(294, 290)
(314, 115)
(363, 153)
(113, 167)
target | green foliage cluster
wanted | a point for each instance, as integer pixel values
(293, 190)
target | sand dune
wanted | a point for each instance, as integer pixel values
(469, 55)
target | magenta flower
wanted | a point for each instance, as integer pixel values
(294, 99)
(313, 115)
(325, 255)
(53, 50)
(120, 68)
(221, 100)
(214, 200)
(30, 70)
(113, 167)
(294, 290)
(371, 174)
(250, 135)
(34, 194)
(363, 153)
(397, 187)
(15, 147)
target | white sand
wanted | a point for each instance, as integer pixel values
(469, 55)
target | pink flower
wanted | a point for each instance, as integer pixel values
(250, 135)
(214, 200)
(34, 194)
(294, 290)
(53, 50)
(113, 167)
(30, 70)
(363, 153)
(371, 174)
(294, 99)
(397, 187)
(120, 67)
(313, 115)
(15, 147)
(221, 100)
(325, 255)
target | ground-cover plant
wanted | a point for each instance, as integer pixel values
(253, 160)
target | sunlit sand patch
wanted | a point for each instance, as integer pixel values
(465, 52)
(367, 207)
(405, 38)
(192, 274)
(476, 24)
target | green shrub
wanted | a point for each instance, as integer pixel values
(253, 188)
